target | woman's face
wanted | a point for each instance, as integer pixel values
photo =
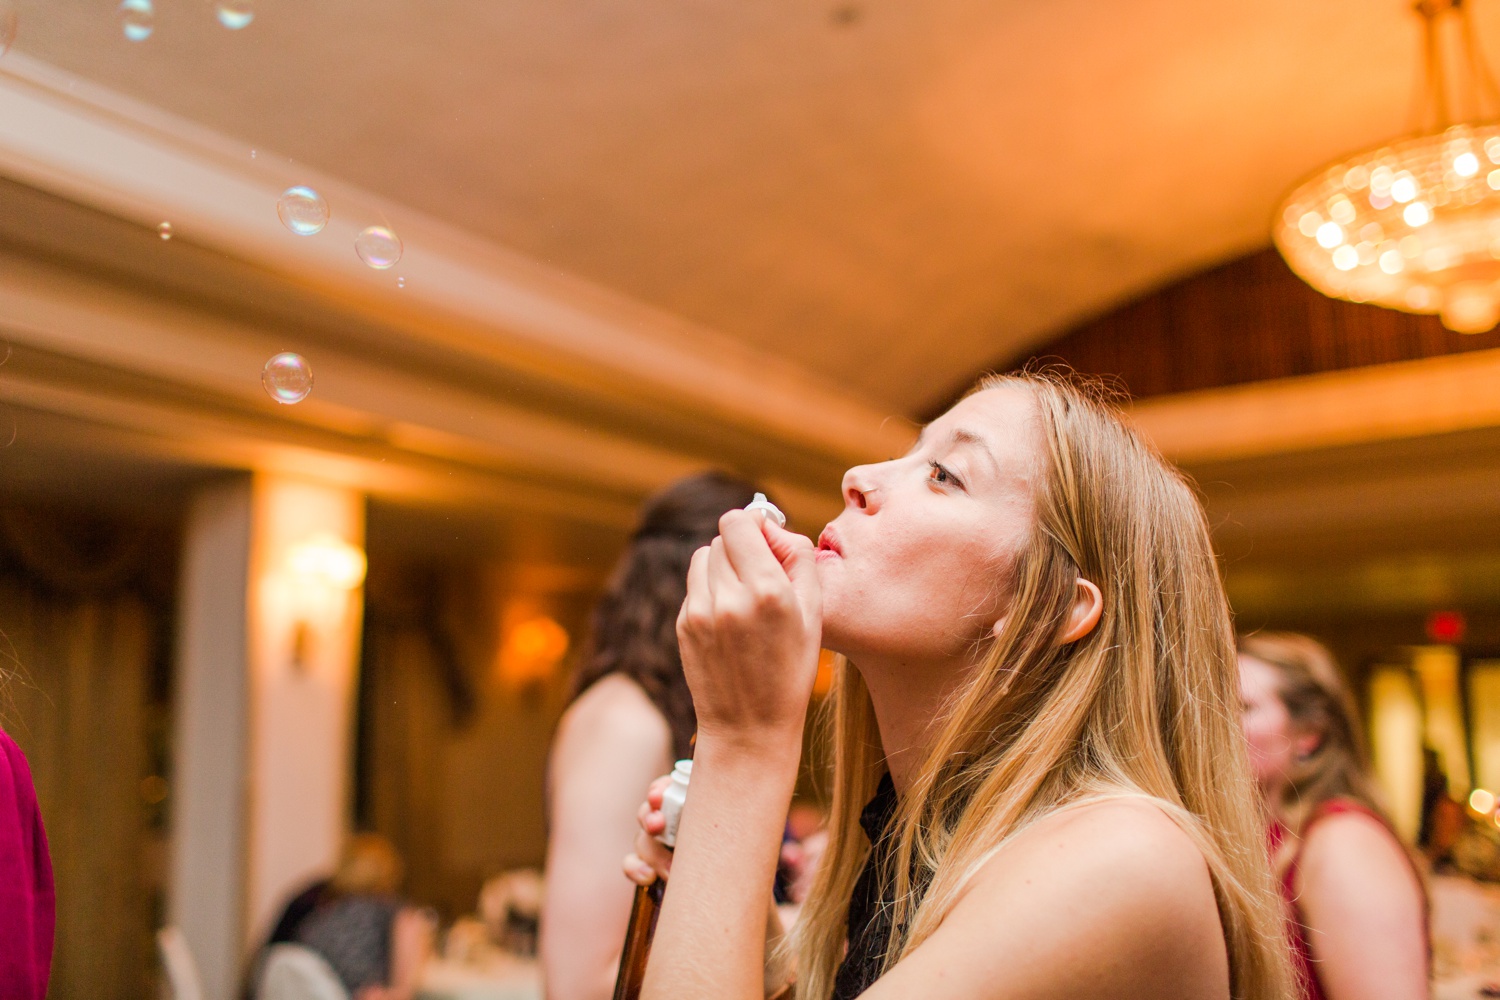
(916, 565)
(1273, 739)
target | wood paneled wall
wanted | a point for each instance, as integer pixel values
(1245, 321)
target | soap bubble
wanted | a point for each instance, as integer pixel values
(400, 282)
(378, 247)
(164, 230)
(137, 19)
(302, 210)
(9, 22)
(236, 14)
(287, 378)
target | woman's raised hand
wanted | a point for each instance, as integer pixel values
(750, 630)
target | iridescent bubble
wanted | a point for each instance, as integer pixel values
(378, 247)
(235, 14)
(164, 230)
(137, 19)
(302, 210)
(287, 378)
(9, 22)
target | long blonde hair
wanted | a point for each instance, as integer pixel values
(1146, 703)
(1312, 689)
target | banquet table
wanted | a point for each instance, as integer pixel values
(501, 977)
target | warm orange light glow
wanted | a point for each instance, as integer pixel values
(1417, 214)
(329, 561)
(532, 650)
(823, 683)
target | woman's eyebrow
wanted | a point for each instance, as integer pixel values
(962, 436)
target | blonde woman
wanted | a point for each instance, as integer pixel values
(1359, 929)
(1035, 726)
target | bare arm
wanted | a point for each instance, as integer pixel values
(411, 946)
(1363, 908)
(749, 633)
(609, 746)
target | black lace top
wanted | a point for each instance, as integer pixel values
(874, 895)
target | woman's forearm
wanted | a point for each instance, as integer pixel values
(710, 942)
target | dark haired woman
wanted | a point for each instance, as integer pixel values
(630, 718)
(1359, 930)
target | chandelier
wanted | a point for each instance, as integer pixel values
(1415, 224)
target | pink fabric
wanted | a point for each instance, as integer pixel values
(27, 903)
(1302, 958)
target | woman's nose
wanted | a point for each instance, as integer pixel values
(859, 490)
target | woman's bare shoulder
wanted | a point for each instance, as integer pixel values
(1109, 898)
(614, 717)
(1349, 848)
(1130, 838)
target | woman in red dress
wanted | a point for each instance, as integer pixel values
(1359, 922)
(27, 905)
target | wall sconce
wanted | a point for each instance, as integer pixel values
(532, 649)
(324, 569)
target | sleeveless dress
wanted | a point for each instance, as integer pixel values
(1301, 943)
(870, 905)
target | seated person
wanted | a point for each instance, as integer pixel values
(373, 940)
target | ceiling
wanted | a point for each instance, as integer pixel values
(892, 196)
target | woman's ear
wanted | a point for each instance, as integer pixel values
(1088, 605)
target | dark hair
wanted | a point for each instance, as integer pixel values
(634, 628)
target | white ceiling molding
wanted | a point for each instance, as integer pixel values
(63, 135)
(1379, 403)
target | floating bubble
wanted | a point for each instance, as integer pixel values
(137, 19)
(236, 14)
(10, 21)
(287, 378)
(302, 210)
(164, 230)
(252, 154)
(400, 282)
(378, 247)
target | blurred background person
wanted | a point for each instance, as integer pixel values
(27, 902)
(631, 716)
(355, 920)
(1355, 897)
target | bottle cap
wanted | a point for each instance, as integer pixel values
(767, 508)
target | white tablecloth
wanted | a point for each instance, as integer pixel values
(503, 978)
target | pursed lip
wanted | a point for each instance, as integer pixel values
(829, 542)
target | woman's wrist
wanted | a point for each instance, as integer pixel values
(763, 750)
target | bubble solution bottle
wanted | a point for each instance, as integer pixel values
(648, 898)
